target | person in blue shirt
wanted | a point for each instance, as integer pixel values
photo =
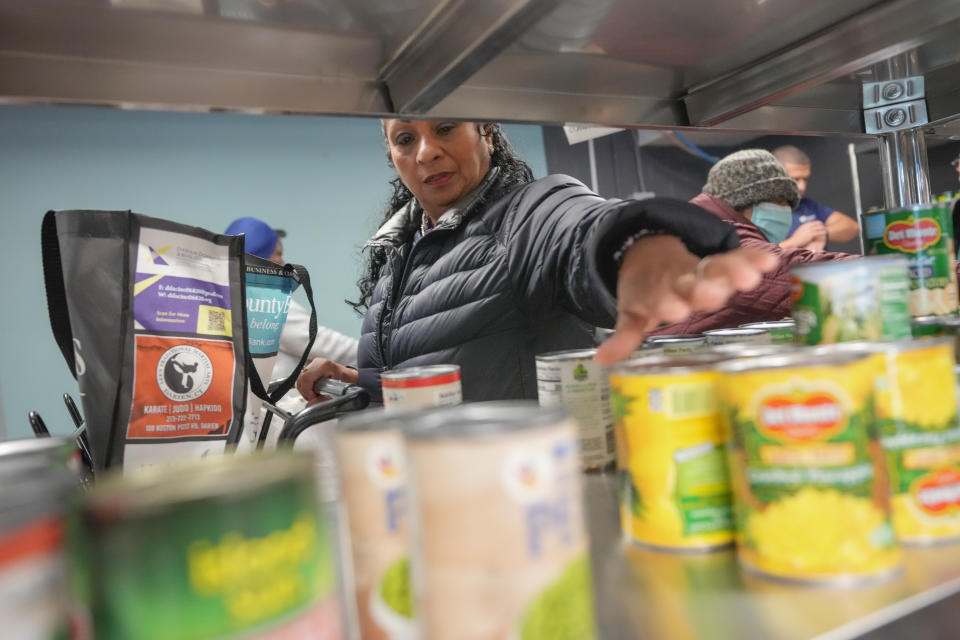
(813, 223)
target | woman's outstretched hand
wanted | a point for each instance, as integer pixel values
(660, 281)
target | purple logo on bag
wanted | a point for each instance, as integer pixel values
(157, 258)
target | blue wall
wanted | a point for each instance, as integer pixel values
(321, 179)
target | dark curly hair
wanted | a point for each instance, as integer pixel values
(513, 173)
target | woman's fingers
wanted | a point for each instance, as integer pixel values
(660, 281)
(630, 332)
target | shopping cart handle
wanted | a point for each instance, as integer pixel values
(37, 424)
(344, 397)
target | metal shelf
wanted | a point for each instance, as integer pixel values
(752, 65)
(641, 594)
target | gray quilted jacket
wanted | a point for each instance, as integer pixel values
(494, 284)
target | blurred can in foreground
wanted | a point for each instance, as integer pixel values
(573, 380)
(35, 490)
(809, 490)
(373, 487)
(496, 509)
(422, 387)
(674, 486)
(236, 547)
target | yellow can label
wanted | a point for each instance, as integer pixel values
(920, 434)
(675, 490)
(808, 500)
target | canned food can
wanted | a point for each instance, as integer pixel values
(674, 487)
(739, 335)
(925, 326)
(373, 481)
(422, 387)
(809, 492)
(496, 509)
(573, 380)
(676, 344)
(781, 331)
(863, 299)
(923, 234)
(916, 412)
(37, 489)
(735, 350)
(236, 547)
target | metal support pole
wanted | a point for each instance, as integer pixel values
(903, 154)
(904, 168)
(857, 202)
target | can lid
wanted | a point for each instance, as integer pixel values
(736, 331)
(691, 362)
(570, 354)
(925, 321)
(740, 350)
(670, 339)
(801, 358)
(420, 372)
(232, 475)
(484, 419)
(378, 420)
(769, 324)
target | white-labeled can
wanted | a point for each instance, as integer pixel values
(679, 344)
(500, 546)
(573, 380)
(373, 490)
(422, 387)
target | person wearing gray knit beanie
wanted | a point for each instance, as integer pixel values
(754, 183)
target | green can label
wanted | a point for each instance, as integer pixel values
(252, 566)
(852, 301)
(923, 235)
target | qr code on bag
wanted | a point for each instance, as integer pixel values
(216, 321)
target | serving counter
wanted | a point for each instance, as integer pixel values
(645, 595)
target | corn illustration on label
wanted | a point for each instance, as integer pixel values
(855, 300)
(674, 486)
(808, 500)
(923, 235)
(920, 434)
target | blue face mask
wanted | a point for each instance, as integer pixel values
(774, 220)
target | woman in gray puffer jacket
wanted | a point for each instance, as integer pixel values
(479, 265)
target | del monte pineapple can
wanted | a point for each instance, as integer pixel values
(810, 495)
(917, 421)
(924, 235)
(674, 488)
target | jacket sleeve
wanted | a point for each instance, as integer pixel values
(560, 238)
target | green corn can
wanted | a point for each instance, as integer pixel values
(923, 234)
(237, 547)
